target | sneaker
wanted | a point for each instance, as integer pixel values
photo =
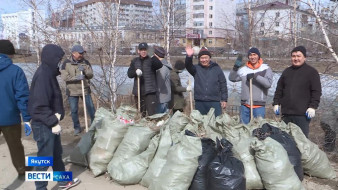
(70, 184)
(77, 132)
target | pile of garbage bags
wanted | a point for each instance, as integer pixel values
(199, 152)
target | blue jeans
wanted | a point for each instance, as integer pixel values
(245, 113)
(204, 107)
(49, 144)
(162, 108)
(74, 107)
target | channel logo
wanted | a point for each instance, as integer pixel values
(48, 176)
(39, 161)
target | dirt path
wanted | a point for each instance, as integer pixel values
(8, 174)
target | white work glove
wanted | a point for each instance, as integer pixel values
(188, 88)
(160, 123)
(58, 116)
(56, 129)
(276, 109)
(310, 113)
(138, 72)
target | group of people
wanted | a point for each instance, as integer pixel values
(156, 84)
(41, 105)
(297, 95)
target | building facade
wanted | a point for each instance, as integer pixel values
(24, 28)
(210, 23)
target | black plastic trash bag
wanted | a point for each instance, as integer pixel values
(199, 181)
(286, 141)
(225, 172)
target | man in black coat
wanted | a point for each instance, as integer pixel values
(45, 105)
(298, 91)
(145, 68)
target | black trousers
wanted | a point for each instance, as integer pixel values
(12, 135)
(302, 121)
(148, 104)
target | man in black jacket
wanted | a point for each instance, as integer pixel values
(45, 105)
(145, 68)
(210, 87)
(298, 91)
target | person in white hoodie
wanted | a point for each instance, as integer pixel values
(163, 81)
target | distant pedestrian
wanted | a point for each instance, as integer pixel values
(13, 101)
(210, 87)
(45, 105)
(298, 91)
(261, 75)
(145, 68)
(163, 81)
(177, 102)
(73, 72)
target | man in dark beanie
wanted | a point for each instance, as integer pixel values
(261, 75)
(210, 87)
(144, 68)
(298, 91)
(13, 102)
(177, 102)
(163, 81)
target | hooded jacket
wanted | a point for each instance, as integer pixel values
(163, 82)
(260, 83)
(45, 99)
(13, 94)
(210, 83)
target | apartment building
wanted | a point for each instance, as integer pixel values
(133, 13)
(24, 28)
(210, 23)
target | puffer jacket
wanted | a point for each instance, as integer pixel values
(13, 94)
(45, 98)
(148, 66)
(69, 72)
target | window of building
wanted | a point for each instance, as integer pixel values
(198, 15)
(277, 14)
(276, 32)
(210, 24)
(210, 7)
(210, 41)
(210, 15)
(198, 7)
(262, 23)
(261, 32)
(210, 32)
(277, 23)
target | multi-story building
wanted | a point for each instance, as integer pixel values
(210, 23)
(24, 28)
(275, 25)
(133, 13)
